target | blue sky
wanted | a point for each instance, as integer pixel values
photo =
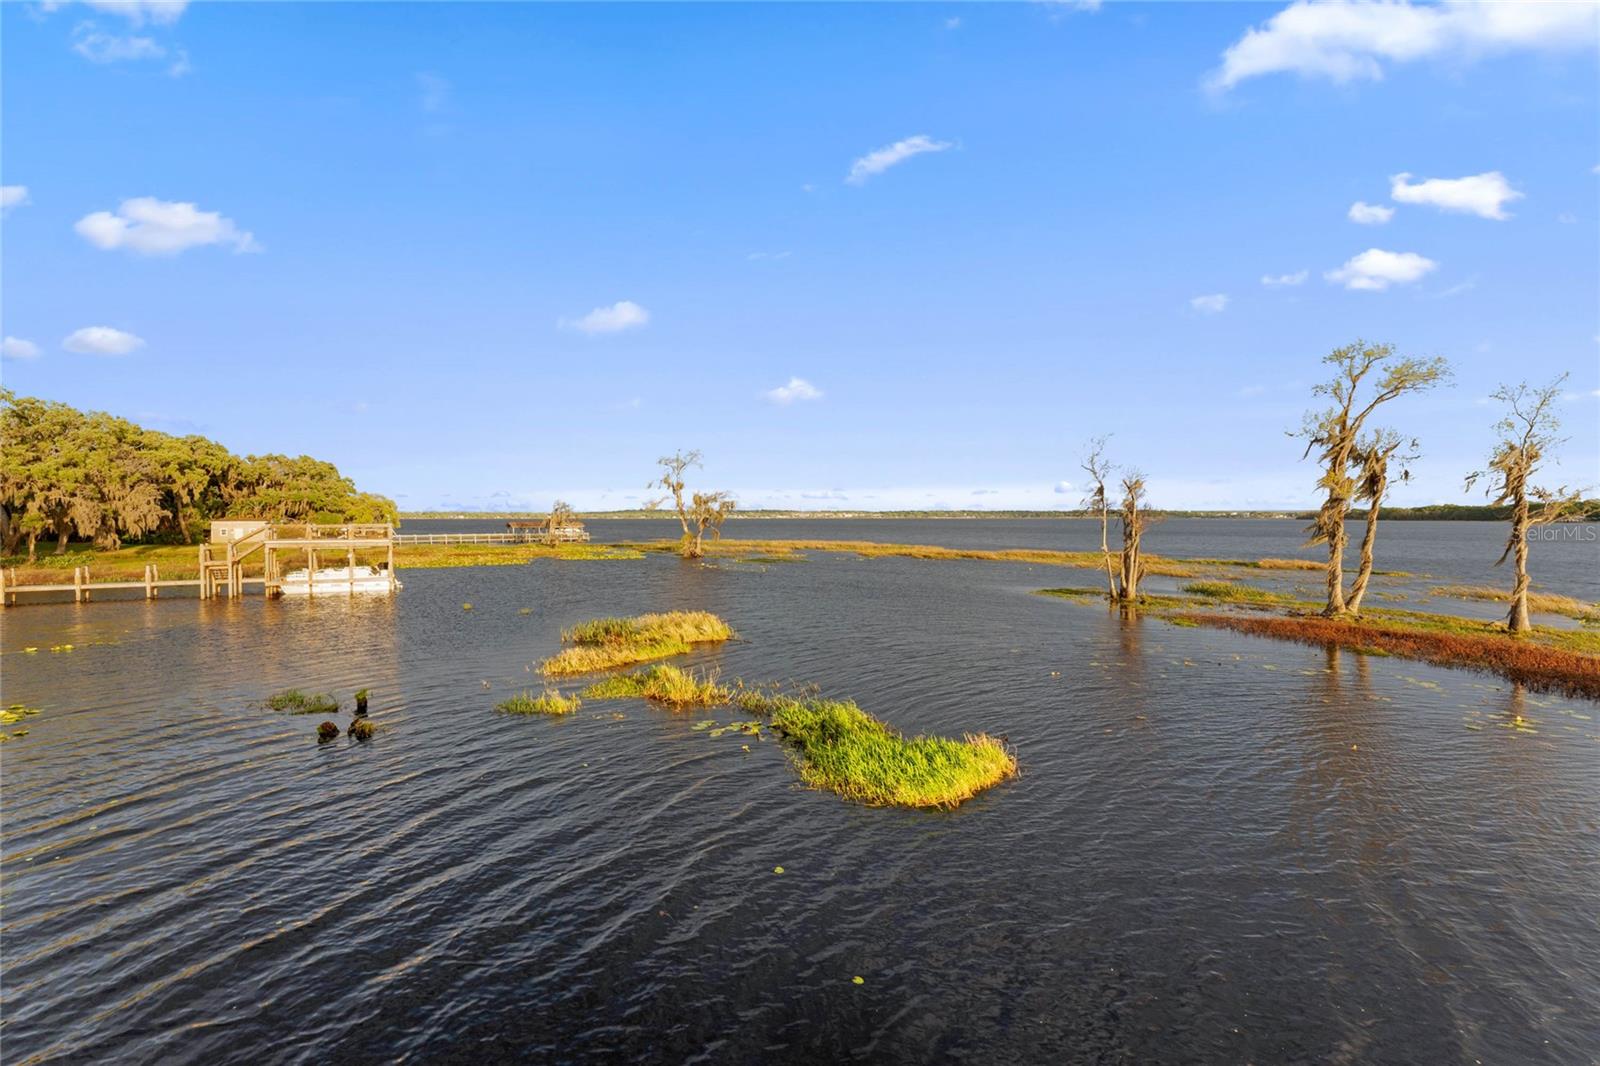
(860, 256)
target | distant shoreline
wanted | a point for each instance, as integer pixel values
(1440, 512)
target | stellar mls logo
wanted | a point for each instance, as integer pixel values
(1585, 532)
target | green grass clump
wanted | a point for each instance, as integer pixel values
(607, 643)
(1074, 593)
(550, 702)
(1230, 592)
(668, 685)
(296, 702)
(845, 750)
(362, 729)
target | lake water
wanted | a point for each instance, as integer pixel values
(1220, 848)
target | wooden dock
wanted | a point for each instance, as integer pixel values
(222, 560)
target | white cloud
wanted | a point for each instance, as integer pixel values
(12, 196)
(1376, 269)
(1211, 304)
(98, 46)
(1274, 281)
(1369, 214)
(1062, 488)
(898, 152)
(1484, 195)
(1349, 40)
(624, 314)
(952, 23)
(102, 340)
(17, 348)
(796, 389)
(137, 12)
(148, 226)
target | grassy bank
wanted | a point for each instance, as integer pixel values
(1538, 602)
(608, 643)
(1537, 664)
(843, 749)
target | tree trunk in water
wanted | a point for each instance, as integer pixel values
(1131, 566)
(1111, 581)
(1336, 541)
(1517, 620)
(1364, 574)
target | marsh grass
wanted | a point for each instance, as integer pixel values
(550, 702)
(1287, 564)
(1538, 602)
(295, 701)
(608, 643)
(1538, 663)
(1232, 592)
(664, 684)
(873, 550)
(841, 748)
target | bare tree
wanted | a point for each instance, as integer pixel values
(1335, 431)
(562, 517)
(1372, 458)
(1098, 502)
(1527, 434)
(700, 512)
(1134, 520)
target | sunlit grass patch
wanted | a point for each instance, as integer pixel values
(1232, 592)
(1538, 602)
(295, 701)
(550, 702)
(1536, 661)
(664, 684)
(845, 750)
(1288, 564)
(1073, 593)
(607, 643)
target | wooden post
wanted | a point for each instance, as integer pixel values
(3, 594)
(350, 557)
(311, 570)
(77, 584)
(391, 561)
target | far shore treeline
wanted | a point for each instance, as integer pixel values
(70, 474)
(1438, 512)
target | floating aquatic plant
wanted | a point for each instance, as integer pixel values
(327, 731)
(362, 729)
